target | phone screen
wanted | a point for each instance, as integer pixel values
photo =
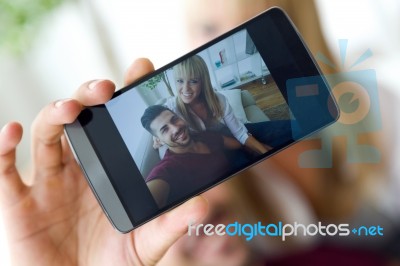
(208, 115)
(231, 77)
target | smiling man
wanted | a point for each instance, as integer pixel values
(192, 161)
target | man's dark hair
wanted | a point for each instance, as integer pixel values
(150, 114)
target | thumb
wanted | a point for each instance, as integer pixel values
(152, 240)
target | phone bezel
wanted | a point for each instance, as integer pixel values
(94, 156)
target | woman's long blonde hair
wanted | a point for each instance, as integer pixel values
(196, 67)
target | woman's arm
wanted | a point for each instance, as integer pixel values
(231, 143)
(237, 128)
(256, 146)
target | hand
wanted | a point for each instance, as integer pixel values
(57, 220)
(267, 147)
(156, 143)
(257, 147)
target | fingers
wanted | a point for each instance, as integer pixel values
(139, 68)
(94, 92)
(267, 147)
(11, 135)
(152, 240)
(11, 185)
(47, 128)
(156, 143)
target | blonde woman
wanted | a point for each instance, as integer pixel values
(205, 109)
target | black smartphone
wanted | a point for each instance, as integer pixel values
(201, 119)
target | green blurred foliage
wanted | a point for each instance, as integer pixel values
(153, 82)
(20, 21)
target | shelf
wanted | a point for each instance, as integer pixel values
(234, 61)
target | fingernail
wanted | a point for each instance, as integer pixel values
(61, 102)
(94, 83)
(3, 129)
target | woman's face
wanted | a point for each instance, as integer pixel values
(189, 88)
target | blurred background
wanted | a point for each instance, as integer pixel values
(49, 47)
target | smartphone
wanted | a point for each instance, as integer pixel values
(256, 81)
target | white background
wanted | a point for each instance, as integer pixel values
(67, 51)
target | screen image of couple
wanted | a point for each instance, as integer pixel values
(202, 120)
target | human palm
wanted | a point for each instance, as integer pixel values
(56, 220)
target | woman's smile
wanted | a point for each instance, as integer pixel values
(189, 89)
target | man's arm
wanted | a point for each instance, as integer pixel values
(160, 191)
